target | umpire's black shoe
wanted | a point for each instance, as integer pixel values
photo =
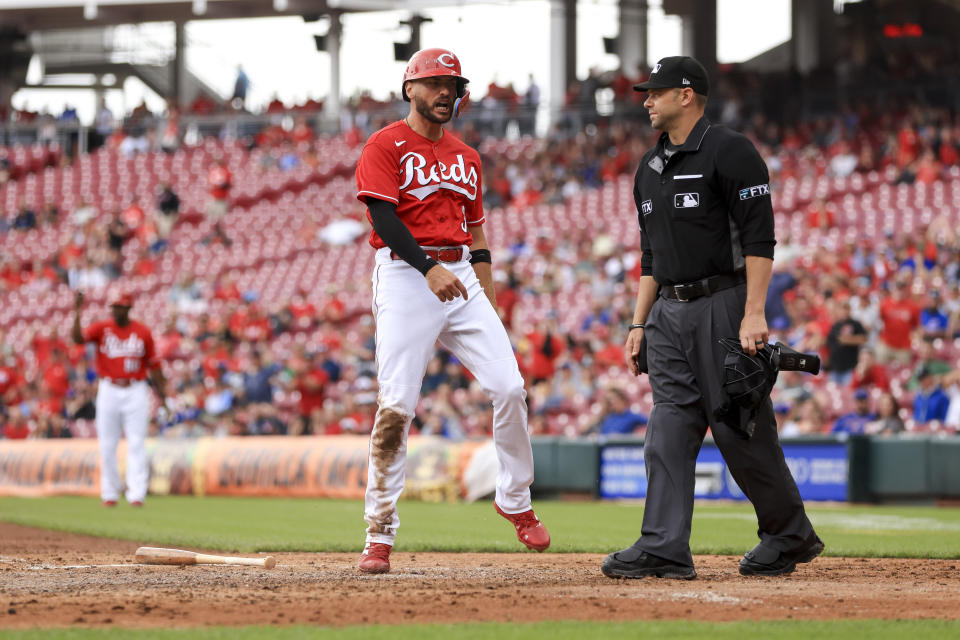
(764, 561)
(634, 563)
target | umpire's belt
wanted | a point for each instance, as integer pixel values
(440, 254)
(692, 290)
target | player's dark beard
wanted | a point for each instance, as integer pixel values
(122, 318)
(426, 110)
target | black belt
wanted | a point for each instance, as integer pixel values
(692, 290)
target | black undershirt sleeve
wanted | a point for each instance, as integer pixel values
(395, 235)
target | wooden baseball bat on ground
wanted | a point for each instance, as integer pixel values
(157, 555)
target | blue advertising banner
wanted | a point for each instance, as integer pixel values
(820, 471)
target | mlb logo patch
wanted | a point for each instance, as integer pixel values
(686, 200)
(646, 207)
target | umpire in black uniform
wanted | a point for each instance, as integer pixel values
(706, 222)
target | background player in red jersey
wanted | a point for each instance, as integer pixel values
(433, 281)
(124, 356)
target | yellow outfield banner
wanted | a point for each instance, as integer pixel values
(314, 466)
(331, 466)
(172, 465)
(31, 468)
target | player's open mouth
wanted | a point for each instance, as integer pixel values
(442, 107)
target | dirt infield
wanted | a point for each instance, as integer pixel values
(50, 579)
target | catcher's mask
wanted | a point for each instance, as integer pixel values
(748, 380)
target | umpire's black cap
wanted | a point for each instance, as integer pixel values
(677, 71)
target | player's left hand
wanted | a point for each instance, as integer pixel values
(753, 333)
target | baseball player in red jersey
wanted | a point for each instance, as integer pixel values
(124, 356)
(433, 282)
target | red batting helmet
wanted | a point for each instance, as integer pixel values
(430, 63)
(121, 299)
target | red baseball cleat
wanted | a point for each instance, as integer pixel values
(136, 503)
(375, 558)
(109, 503)
(530, 531)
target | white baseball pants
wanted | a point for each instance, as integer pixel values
(123, 410)
(410, 321)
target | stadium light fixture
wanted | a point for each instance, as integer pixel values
(90, 10)
(199, 7)
(280, 5)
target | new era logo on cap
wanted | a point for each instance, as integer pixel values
(677, 71)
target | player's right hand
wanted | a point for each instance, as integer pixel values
(444, 284)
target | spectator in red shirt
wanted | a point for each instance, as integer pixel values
(16, 426)
(334, 310)
(45, 343)
(948, 153)
(11, 276)
(507, 298)
(546, 345)
(168, 343)
(226, 288)
(821, 215)
(146, 264)
(901, 317)
(276, 105)
(202, 105)
(301, 131)
(56, 376)
(311, 383)
(302, 311)
(220, 180)
(133, 215)
(256, 327)
(869, 374)
(11, 383)
(50, 419)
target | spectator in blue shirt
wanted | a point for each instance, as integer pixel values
(934, 320)
(931, 402)
(618, 419)
(857, 420)
(776, 310)
(257, 387)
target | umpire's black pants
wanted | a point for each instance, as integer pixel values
(685, 365)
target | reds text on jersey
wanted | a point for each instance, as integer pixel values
(435, 185)
(122, 352)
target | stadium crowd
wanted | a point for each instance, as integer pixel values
(884, 314)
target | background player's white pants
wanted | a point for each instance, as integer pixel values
(410, 320)
(123, 410)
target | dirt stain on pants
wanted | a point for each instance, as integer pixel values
(386, 445)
